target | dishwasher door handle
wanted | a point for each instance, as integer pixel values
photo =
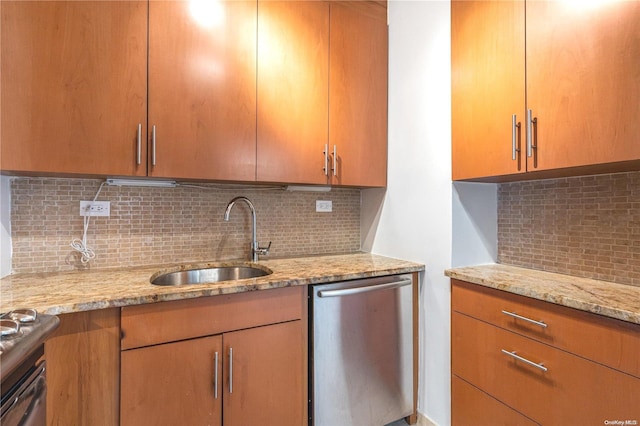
(364, 289)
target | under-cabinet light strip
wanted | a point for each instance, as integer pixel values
(143, 182)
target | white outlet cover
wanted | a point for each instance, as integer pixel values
(324, 206)
(95, 208)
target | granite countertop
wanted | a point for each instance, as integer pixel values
(617, 301)
(64, 292)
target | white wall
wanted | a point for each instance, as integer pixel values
(420, 217)
(5, 226)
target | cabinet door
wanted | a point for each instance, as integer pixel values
(293, 81)
(488, 88)
(572, 390)
(74, 86)
(583, 81)
(358, 55)
(471, 406)
(172, 384)
(265, 376)
(202, 89)
(83, 369)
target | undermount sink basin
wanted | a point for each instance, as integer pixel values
(209, 275)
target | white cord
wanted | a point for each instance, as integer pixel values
(81, 245)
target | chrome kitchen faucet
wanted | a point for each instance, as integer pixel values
(255, 248)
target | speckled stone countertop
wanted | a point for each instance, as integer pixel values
(612, 300)
(63, 292)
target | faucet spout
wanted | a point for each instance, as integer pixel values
(255, 248)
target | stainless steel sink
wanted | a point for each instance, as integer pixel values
(209, 275)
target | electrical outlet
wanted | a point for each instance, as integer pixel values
(95, 208)
(324, 206)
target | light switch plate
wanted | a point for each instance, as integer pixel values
(324, 206)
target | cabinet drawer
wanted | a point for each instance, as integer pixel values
(605, 340)
(145, 325)
(471, 406)
(571, 391)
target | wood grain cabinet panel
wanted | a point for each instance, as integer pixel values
(74, 92)
(293, 91)
(488, 87)
(573, 390)
(202, 90)
(234, 360)
(604, 340)
(358, 57)
(269, 376)
(145, 325)
(582, 81)
(579, 369)
(173, 383)
(474, 407)
(83, 369)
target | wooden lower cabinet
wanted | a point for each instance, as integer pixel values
(269, 378)
(475, 407)
(112, 367)
(238, 359)
(83, 366)
(255, 374)
(502, 371)
(172, 384)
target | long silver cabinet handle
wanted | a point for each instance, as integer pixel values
(335, 160)
(365, 289)
(230, 370)
(520, 317)
(326, 160)
(526, 361)
(529, 133)
(215, 376)
(139, 145)
(153, 145)
(514, 137)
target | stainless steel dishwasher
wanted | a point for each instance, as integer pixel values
(361, 354)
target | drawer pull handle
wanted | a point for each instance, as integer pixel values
(526, 361)
(520, 317)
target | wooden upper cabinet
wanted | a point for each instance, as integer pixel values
(582, 84)
(293, 81)
(358, 57)
(73, 86)
(202, 90)
(583, 81)
(488, 88)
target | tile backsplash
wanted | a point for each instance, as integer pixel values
(584, 226)
(170, 225)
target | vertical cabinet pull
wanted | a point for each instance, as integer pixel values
(153, 145)
(326, 160)
(215, 376)
(532, 137)
(230, 370)
(513, 354)
(515, 132)
(529, 133)
(139, 144)
(335, 160)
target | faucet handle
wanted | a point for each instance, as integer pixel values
(263, 251)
